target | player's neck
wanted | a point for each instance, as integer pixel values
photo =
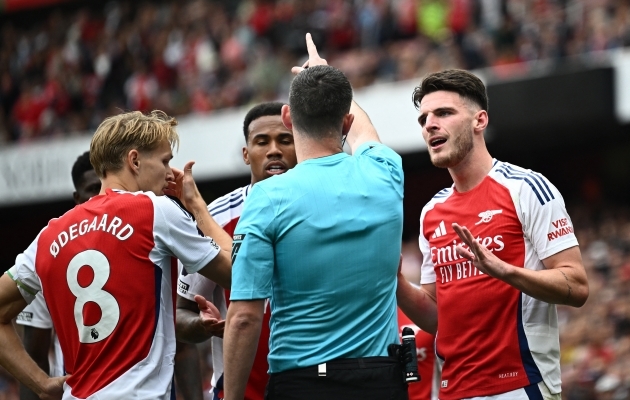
(307, 148)
(472, 169)
(118, 182)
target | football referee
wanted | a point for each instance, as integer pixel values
(322, 241)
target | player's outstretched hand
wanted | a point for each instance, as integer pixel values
(313, 57)
(210, 317)
(483, 259)
(53, 389)
(184, 187)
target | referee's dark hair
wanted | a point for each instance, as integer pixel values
(462, 82)
(80, 167)
(261, 110)
(319, 98)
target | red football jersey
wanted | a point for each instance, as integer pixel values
(107, 269)
(492, 337)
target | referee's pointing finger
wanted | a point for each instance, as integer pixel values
(310, 46)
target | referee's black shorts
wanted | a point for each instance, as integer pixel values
(378, 378)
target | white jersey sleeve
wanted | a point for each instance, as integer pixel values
(23, 272)
(177, 235)
(190, 285)
(427, 270)
(36, 314)
(546, 223)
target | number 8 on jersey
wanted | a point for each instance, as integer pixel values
(110, 311)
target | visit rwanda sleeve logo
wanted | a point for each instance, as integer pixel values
(236, 245)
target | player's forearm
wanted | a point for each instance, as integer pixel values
(417, 304)
(219, 269)
(362, 129)
(242, 332)
(188, 327)
(17, 362)
(209, 226)
(561, 285)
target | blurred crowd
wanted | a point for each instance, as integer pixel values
(63, 71)
(595, 339)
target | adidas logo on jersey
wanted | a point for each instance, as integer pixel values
(439, 231)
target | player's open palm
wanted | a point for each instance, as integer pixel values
(483, 259)
(210, 317)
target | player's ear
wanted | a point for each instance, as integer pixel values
(480, 121)
(245, 155)
(348, 119)
(75, 196)
(285, 114)
(133, 160)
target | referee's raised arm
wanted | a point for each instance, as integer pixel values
(361, 130)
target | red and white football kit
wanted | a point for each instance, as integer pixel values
(106, 269)
(423, 390)
(493, 338)
(226, 211)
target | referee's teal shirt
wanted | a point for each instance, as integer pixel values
(322, 242)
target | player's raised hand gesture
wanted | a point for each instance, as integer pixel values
(184, 187)
(313, 56)
(210, 317)
(483, 259)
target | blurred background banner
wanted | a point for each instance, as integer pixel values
(531, 111)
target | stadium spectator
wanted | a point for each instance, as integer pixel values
(327, 234)
(39, 337)
(268, 151)
(109, 264)
(496, 317)
(65, 72)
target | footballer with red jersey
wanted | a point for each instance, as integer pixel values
(107, 269)
(268, 151)
(498, 253)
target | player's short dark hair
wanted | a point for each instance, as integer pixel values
(80, 167)
(466, 84)
(261, 110)
(319, 98)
